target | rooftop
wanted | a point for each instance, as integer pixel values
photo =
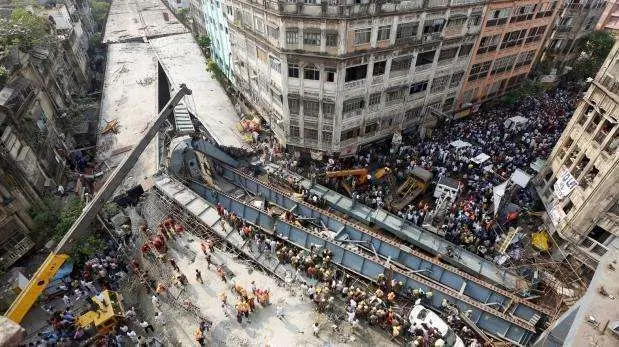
(131, 20)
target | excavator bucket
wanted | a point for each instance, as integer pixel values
(35, 287)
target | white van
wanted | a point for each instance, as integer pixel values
(419, 314)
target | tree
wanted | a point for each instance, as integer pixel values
(595, 48)
(99, 12)
(95, 40)
(528, 88)
(69, 214)
(204, 41)
(45, 215)
(86, 248)
(24, 29)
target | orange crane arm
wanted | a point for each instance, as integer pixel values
(346, 173)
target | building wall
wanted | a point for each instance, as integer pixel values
(15, 223)
(196, 11)
(177, 5)
(509, 43)
(589, 216)
(575, 20)
(215, 12)
(328, 80)
(609, 19)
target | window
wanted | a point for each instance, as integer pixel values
(447, 53)
(384, 33)
(379, 68)
(370, 127)
(523, 13)
(525, 58)
(503, 64)
(328, 109)
(229, 9)
(311, 38)
(275, 64)
(419, 87)
(394, 95)
(535, 34)
(355, 73)
(413, 113)
(276, 96)
(261, 54)
(311, 108)
(352, 105)
(311, 72)
(433, 26)
(448, 104)
(293, 105)
(330, 74)
(498, 17)
(546, 9)
(293, 70)
(406, 30)
(374, 99)
(513, 38)
(273, 32)
(331, 39)
(362, 36)
(311, 2)
(457, 20)
(259, 25)
(439, 83)
(455, 79)
(425, 58)
(327, 136)
(488, 44)
(311, 134)
(349, 134)
(400, 64)
(479, 71)
(292, 36)
(465, 50)
(475, 19)
(295, 131)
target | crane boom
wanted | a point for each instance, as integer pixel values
(26, 298)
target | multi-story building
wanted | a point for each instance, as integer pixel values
(609, 19)
(217, 28)
(177, 5)
(580, 185)
(511, 38)
(40, 121)
(576, 20)
(196, 14)
(334, 76)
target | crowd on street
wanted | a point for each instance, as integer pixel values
(470, 220)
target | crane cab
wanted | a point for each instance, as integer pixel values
(105, 314)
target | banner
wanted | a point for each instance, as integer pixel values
(565, 183)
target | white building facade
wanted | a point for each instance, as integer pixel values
(336, 76)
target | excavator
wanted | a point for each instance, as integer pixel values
(27, 297)
(360, 175)
(415, 185)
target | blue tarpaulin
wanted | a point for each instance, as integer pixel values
(65, 270)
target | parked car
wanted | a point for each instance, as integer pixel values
(424, 316)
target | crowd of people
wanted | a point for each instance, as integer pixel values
(469, 219)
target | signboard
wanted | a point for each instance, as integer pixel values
(565, 183)
(555, 212)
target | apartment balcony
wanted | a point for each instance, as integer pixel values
(610, 83)
(354, 84)
(563, 28)
(340, 9)
(17, 251)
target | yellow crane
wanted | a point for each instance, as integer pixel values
(26, 298)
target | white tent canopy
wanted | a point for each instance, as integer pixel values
(482, 157)
(520, 178)
(459, 144)
(497, 194)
